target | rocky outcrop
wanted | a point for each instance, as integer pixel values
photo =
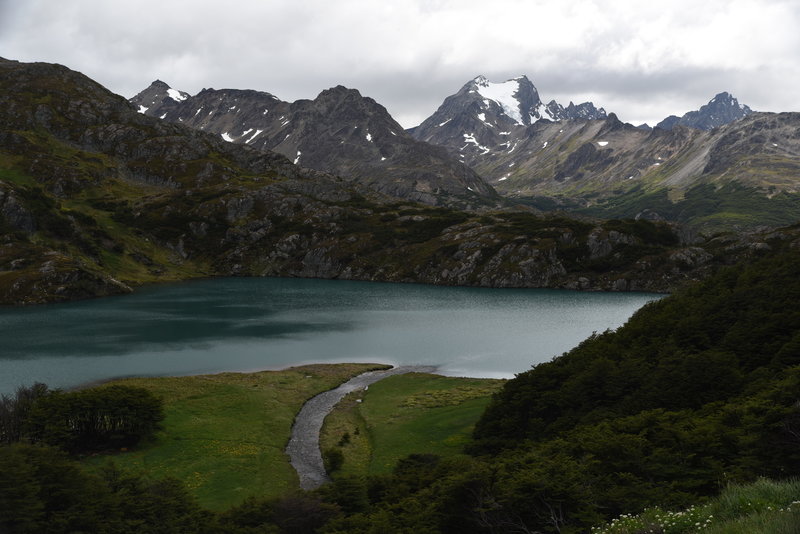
(35, 275)
(13, 213)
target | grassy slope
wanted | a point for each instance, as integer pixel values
(102, 244)
(763, 506)
(405, 414)
(705, 206)
(224, 434)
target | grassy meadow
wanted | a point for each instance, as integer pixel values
(224, 434)
(404, 414)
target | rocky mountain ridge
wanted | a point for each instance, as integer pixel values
(588, 162)
(96, 199)
(743, 174)
(483, 117)
(573, 158)
(723, 109)
(340, 132)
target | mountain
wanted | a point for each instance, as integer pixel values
(743, 174)
(97, 199)
(720, 110)
(697, 169)
(719, 168)
(484, 118)
(160, 96)
(340, 132)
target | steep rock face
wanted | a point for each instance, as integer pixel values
(720, 110)
(340, 132)
(484, 119)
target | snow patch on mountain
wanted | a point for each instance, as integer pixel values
(543, 113)
(253, 136)
(503, 94)
(176, 95)
(470, 139)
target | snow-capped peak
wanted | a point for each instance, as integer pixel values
(504, 94)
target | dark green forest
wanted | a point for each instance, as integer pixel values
(697, 391)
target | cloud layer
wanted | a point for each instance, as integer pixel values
(640, 60)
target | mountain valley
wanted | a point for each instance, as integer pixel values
(698, 390)
(97, 199)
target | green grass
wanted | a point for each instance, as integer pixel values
(765, 506)
(705, 206)
(224, 434)
(405, 414)
(10, 174)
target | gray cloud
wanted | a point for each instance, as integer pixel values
(641, 61)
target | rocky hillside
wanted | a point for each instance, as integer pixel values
(339, 132)
(741, 175)
(721, 167)
(96, 198)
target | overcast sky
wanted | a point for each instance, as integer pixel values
(641, 60)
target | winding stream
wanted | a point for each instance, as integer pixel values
(303, 448)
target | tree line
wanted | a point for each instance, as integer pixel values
(81, 421)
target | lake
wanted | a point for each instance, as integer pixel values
(246, 324)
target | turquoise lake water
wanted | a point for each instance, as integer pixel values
(245, 324)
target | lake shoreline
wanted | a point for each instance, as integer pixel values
(252, 324)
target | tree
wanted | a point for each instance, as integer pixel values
(14, 411)
(95, 419)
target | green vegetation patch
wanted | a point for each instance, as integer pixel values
(402, 415)
(530, 224)
(763, 506)
(649, 232)
(706, 206)
(224, 435)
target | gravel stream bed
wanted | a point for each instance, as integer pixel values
(303, 448)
